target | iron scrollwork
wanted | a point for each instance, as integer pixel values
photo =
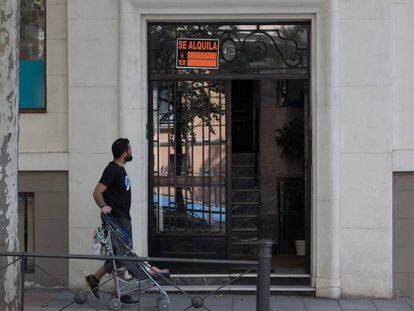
(245, 48)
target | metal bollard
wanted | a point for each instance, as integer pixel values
(22, 278)
(263, 281)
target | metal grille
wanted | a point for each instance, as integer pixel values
(189, 156)
(26, 226)
(245, 48)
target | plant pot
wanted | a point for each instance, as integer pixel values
(300, 247)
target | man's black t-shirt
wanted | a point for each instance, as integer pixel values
(118, 193)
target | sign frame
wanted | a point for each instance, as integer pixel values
(198, 67)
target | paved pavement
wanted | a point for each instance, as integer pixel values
(53, 300)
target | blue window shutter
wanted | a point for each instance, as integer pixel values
(32, 84)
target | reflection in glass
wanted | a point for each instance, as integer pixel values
(189, 156)
(32, 30)
(32, 73)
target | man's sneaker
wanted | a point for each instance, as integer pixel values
(93, 283)
(128, 300)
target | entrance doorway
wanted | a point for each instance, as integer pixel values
(229, 150)
(268, 184)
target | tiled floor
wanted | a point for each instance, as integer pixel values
(53, 300)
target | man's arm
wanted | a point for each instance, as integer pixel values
(99, 199)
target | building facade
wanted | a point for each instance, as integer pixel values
(105, 78)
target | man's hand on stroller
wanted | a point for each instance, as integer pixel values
(106, 209)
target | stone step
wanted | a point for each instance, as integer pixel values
(244, 183)
(250, 195)
(246, 238)
(244, 250)
(243, 171)
(207, 280)
(244, 221)
(302, 290)
(245, 208)
(244, 229)
(242, 158)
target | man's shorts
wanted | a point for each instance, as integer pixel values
(119, 250)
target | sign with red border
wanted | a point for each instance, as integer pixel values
(196, 53)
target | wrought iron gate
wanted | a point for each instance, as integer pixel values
(189, 168)
(190, 126)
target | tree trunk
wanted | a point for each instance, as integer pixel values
(179, 131)
(9, 57)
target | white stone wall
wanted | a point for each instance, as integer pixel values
(366, 148)
(93, 117)
(44, 136)
(97, 86)
(356, 77)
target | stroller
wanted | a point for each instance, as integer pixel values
(119, 243)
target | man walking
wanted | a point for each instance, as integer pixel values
(113, 195)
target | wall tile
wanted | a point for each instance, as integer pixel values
(93, 119)
(93, 9)
(56, 21)
(365, 55)
(366, 259)
(361, 131)
(93, 53)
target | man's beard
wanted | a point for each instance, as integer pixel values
(128, 158)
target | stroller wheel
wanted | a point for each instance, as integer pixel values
(159, 299)
(115, 304)
(80, 298)
(163, 305)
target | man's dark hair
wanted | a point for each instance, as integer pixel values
(119, 147)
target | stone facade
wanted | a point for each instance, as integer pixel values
(44, 136)
(361, 119)
(48, 225)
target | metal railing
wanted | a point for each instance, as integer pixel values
(262, 266)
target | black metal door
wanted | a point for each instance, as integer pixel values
(188, 169)
(190, 129)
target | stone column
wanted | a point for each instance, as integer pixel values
(92, 118)
(133, 119)
(366, 78)
(326, 204)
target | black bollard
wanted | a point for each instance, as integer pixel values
(22, 278)
(263, 280)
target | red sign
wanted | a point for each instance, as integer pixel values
(197, 53)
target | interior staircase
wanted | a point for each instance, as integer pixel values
(245, 197)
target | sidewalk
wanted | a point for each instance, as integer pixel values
(53, 300)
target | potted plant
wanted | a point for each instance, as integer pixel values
(295, 195)
(300, 239)
(291, 139)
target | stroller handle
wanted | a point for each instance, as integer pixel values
(110, 221)
(105, 216)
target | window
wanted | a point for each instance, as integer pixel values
(291, 93)
(32, 65)
(26, 226)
